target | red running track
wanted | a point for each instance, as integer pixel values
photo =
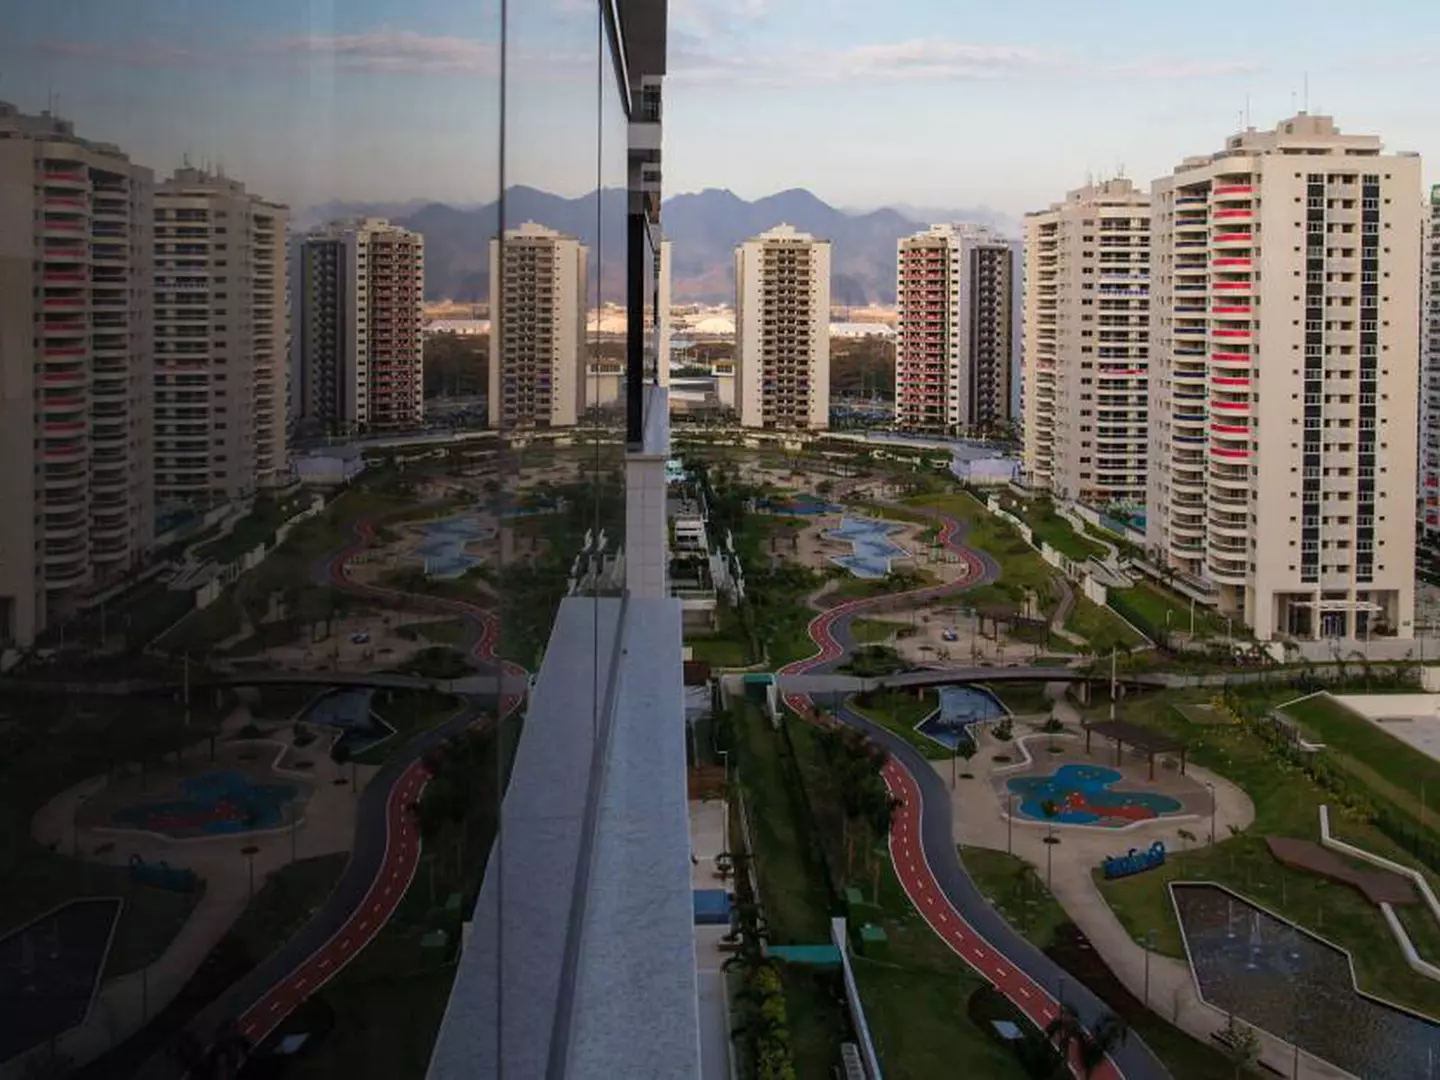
(907, 852)
(402, 838)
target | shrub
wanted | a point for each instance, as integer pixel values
(251, 731)
(1004, 730)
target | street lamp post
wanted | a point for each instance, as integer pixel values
(725, 817)
(1209, 784)
(1147, 943)
(1010, 826)
(249, 851)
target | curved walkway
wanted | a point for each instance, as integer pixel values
(387, 843)
(922, 846)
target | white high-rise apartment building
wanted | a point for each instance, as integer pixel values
(537, 329)
(75, 368)
(221, 339)
(1429, 523)
(782, 331)
(358, 325)
(1283, 369)
(1086, 344)
(958, 294)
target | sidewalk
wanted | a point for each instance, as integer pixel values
(980, 822)
(123, 1004)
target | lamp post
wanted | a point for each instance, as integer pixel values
(725, 817)
(1010, 825)
(1209, 784)
(1147, 943)
(249, 851)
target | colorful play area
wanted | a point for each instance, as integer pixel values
(236, 793)
(1087, 795)
(212, 804)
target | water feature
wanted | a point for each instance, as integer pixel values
(445, 545)
(1085, 795)
(871, 546)
(351, 712)
(960, 707)
(1299, 987)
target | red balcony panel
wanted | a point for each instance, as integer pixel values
(1244, 286)
(1231, 310)
(1231, 333)
(1234, 213)
(1230, 381)
(1230, 262)
(1221, 452)
(1233, 189)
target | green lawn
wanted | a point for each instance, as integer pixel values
(1286, 804)
(256, 527)
(285, 900)
(436, 631)
(1022, 698)
(1101, 627)
(1022, 571)
(916, 997)
(409, 712)
(1018, 893)
(1050, 528)
(899, 711)
(854, 588)
(719, 651)
(874, 631)
(1384, 763)
(1153, 603)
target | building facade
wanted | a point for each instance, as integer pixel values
(782, 331)
(1284, 361)
(1086, 345)
(537, 319)
(1429, 517)
(221, 340)
(958, 295)
(76, 341)
(359, 323)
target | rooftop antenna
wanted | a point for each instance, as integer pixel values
(1305, 100)
(1247, 110)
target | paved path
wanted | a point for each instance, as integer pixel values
(922, 848)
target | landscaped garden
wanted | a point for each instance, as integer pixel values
(928, 1012)
(900, 711)
(1287, 789)
(1158, 612)
(1048, 527)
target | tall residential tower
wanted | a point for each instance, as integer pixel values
(221, 338)
(1429, 523)
(358, 325)
(75, 368)
(1284, 364)
(782, 331)
(958, 292)
(537, 329)
(1086, 346)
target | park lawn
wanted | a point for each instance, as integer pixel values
(436, 631)
(283, 903)
(794, 892)
(1152, 603)
(899, 711)
(893, 513)
(409, 712)
(855, 588)
(256, 527)
(719, 651)
(1102, 628)
(1393, 767)
(1018, 893)
(873, 631)
(1286, 804)
(1022, 570)
(1022, 698)
(1048, 527)
(916, 996)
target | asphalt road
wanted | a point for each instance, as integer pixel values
(922, 847)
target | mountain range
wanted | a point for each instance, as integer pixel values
(705, 228)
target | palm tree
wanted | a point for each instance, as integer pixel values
(1110, 1031)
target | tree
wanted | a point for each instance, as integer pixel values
(1110, 1031)
(1240, 1043)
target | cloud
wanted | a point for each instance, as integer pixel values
(144, 53)
(396, 51)
(698, 59)
(712, 17)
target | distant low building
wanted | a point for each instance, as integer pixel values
(462, 327)
(329, 468)
(853, 330)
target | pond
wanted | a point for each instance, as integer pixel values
(446, 545)
(870, 544)
(1298, 987)
(960, 707)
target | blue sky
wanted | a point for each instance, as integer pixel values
(927, 102)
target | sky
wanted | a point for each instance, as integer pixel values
(932, 103)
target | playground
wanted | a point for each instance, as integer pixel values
(237, 793)
(49, 972)
(1084, 794)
